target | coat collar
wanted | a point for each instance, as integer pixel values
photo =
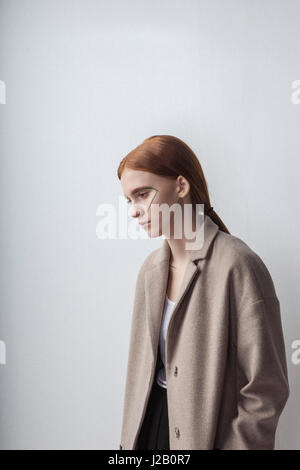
(156, 279)
(208, 232)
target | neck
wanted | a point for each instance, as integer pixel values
(179, 254)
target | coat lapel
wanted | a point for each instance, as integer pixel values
(156, 278)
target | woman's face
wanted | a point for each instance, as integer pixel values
(143, 190)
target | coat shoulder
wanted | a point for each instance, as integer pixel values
(148, 261)
(147, 264)
(235, 250)
(246, 269)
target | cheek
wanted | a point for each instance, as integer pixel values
(164, 200)
(164, 197)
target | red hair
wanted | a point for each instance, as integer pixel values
(169, 156)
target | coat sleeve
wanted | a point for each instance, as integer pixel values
(261, 369)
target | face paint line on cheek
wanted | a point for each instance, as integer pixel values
(153, 197)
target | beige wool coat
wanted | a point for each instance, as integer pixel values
(224, 340)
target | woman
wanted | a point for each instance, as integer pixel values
(207, 366)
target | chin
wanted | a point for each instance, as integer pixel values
(153, 232)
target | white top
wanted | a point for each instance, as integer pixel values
(168, 309)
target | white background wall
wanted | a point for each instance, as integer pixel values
(87, 81)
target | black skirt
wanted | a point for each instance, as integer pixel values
(154, 433)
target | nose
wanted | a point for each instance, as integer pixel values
(135, 212)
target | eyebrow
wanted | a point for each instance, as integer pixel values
(139, 189)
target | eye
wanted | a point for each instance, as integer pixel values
(128, 201)
(143, 194)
